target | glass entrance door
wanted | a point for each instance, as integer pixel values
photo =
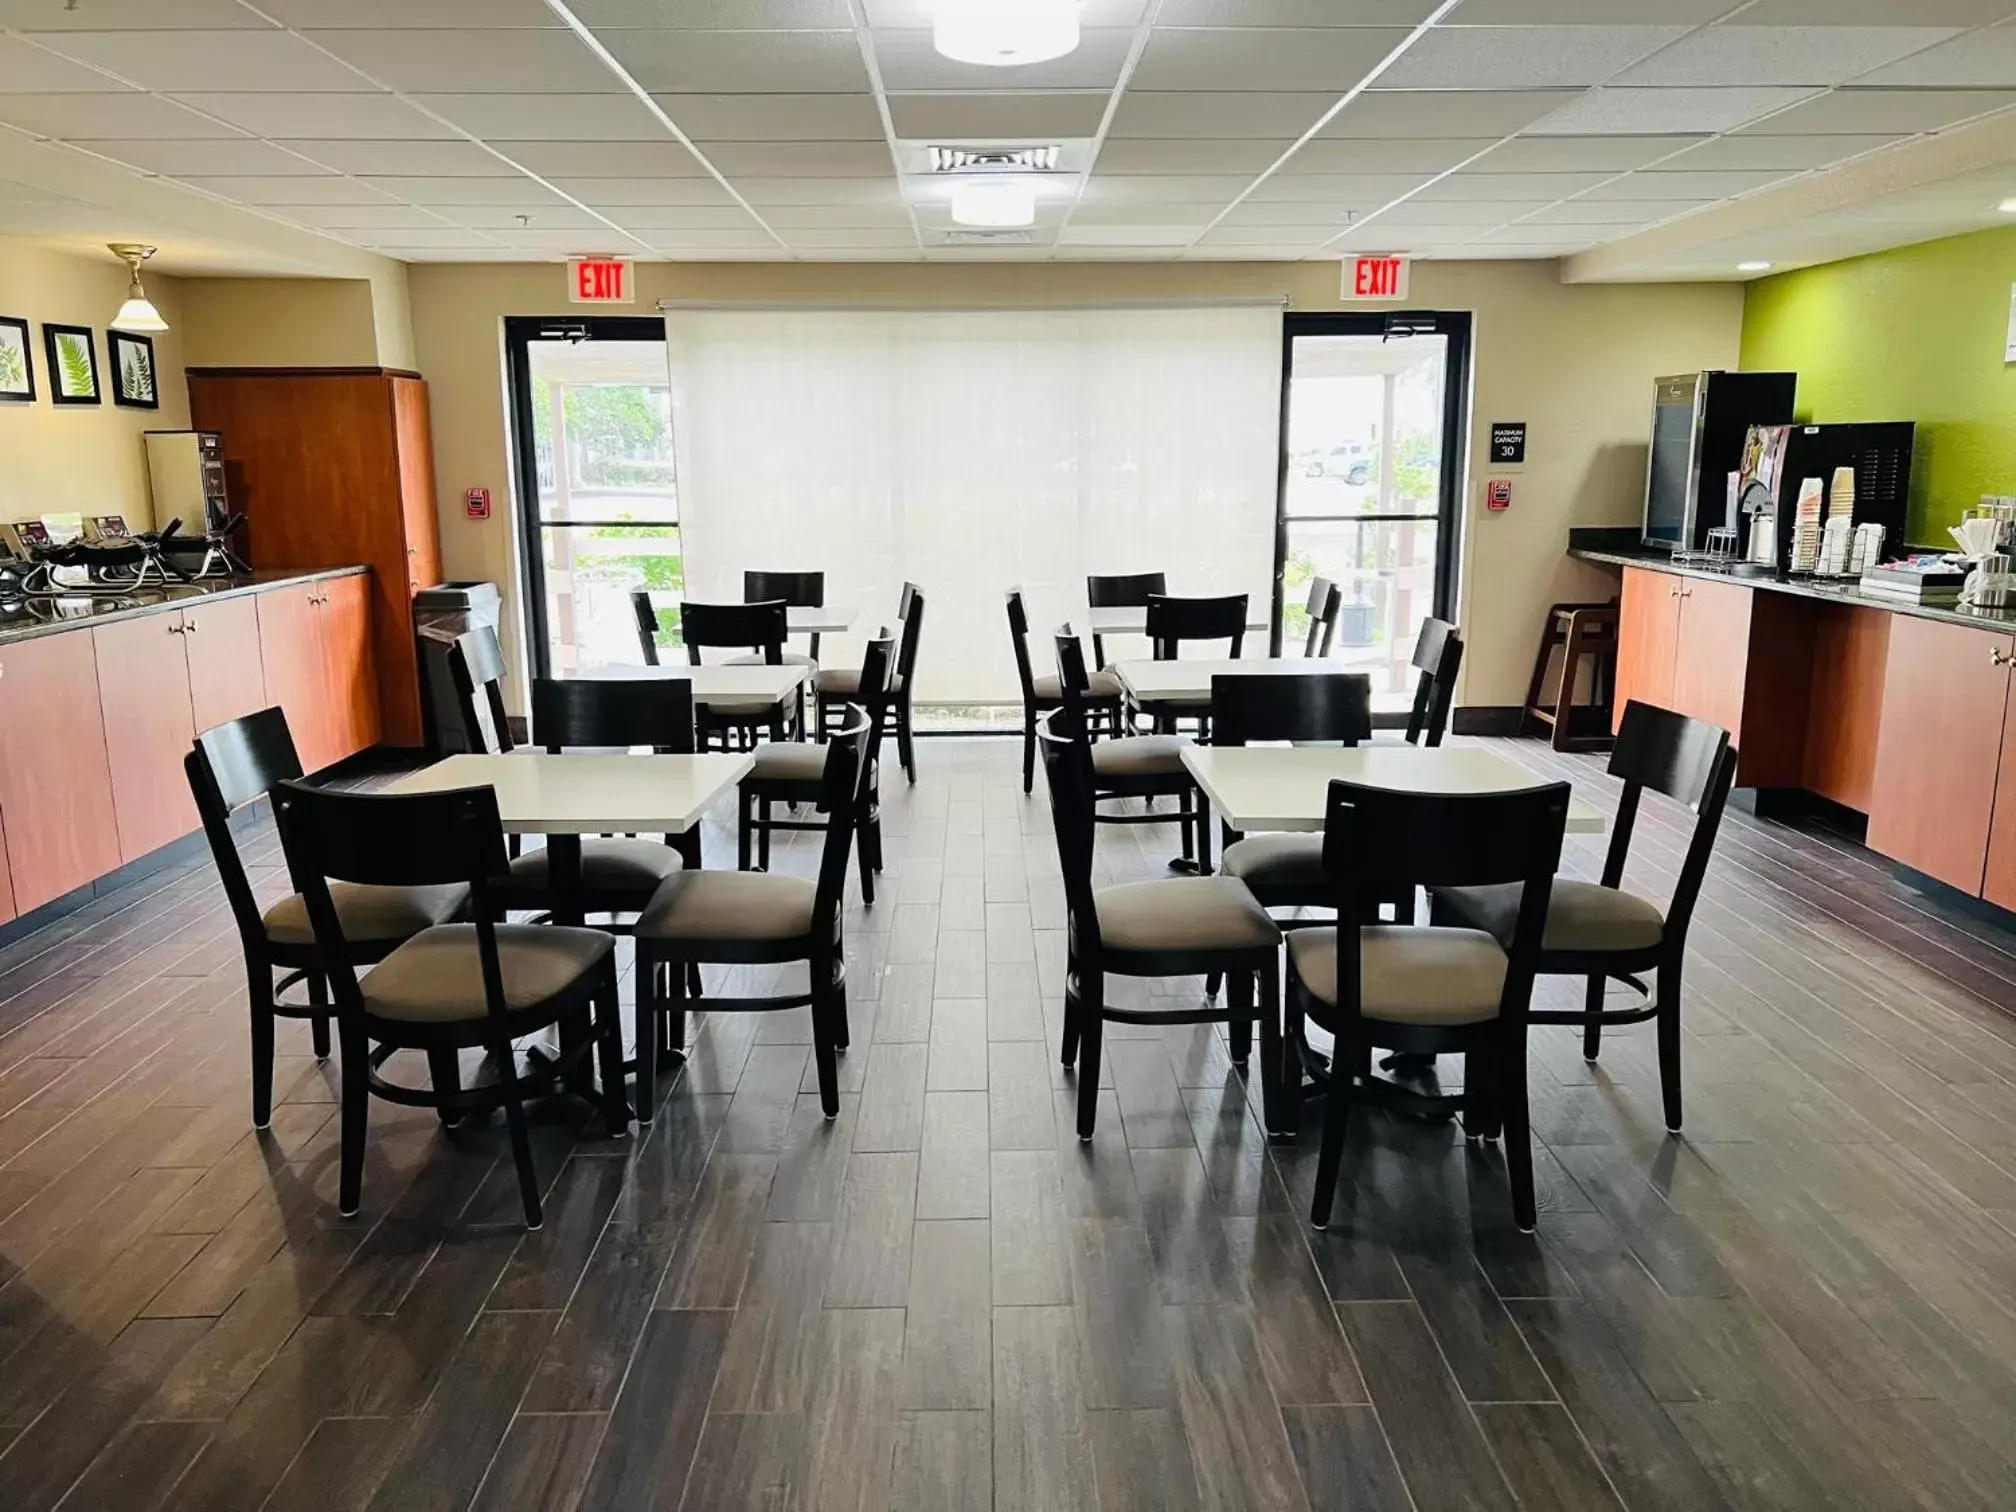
(1371, 481)
(592, 416)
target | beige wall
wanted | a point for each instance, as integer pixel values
(300, 322)
(1575, 362)
(87, 459)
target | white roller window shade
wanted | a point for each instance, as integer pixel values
(967, 451)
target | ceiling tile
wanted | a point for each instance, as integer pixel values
(1788, 154)
(25, 68)
(1874, 12)
(1262, 59)
(1163, 188)
(372, 15)
(96, 117)
(1258, 236)
(663, 158)
(507, 217)
(1485, 57)
(1024, 117)
(476, 62)
(917, 13)
(326, 190)
(1385, 235)
(854, 191)
(603, 193)
(1593, 12)
(1510, 186)
(1176, 212)
(1598, 212)
(687, 62)
(715, 15)
(416, 190)
(1371, 155)
(909, 62)
(840, 238)
(181, 61)
(546, 118)
(444, 238)
(1419, 212)
(1438, 113)
(1874, 111)
(799, 159)
(1315, 219)
(602, 239)
(1190, 155)
(129, 15)
(1336, 188)
(782, 216)
(1253, 116)
(682, 217)
(1654, 112)
(1294, 12)
(1081, 233)
(384, 217)
(776, 118)
(1579, 154)
(229, 155)
(285, 117)
(1559, 238)
(1979, 59)
(1724, 55)
(435, 159)
(1659, 184)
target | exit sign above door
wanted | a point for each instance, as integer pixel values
(1375, 278)
(598, 280)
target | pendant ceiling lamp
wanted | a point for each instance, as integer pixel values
(1005, 33)
(138, 313)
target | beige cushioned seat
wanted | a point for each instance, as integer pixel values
(1409, 975)
(608, 864)
(1183, 913)
(1581, 916)
(730, 905)
(740, 708)
(790, 659)
(1098, 685)
(369, 914)
(848, 680)
(1276, 860)
(1138, 756)
(437, 976)
(789, 761)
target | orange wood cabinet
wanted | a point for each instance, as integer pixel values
(227, 678)
(1648, 638)
(316, 644)
(143, 698)
(1998, 880)
(343, 633)
(55, 784)
(333, 466)
(1940, 748)
(1711, 655)
(7, 910)
(1844, 702)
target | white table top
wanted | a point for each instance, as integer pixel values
(1134, 621)
(541, 794)
(830, 619)
(1260, 788)
(712, 684)
(1190, 681)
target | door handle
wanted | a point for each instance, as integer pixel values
(177, 629)
(1997, 659)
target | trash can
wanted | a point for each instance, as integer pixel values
(440, 614)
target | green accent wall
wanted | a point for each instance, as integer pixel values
(1917, 333)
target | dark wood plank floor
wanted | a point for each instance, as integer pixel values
(942, 1301)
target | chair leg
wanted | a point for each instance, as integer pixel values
(1239, 1028)
(1028, 751)
(521, 1138)
(672, 1008)
(1203, 834)
(694, 988)
(259, 991)
(1667, 985)
(765, 812)
(1069, 1053)
(1091, 1000)
(745, 806)
(1336, 1121)
(906, 738)
(864, 861)
(1480, 1101)
(823, 1048)
(355, 1116)
(648, 1010)
(1518, 1136)
(444, 1070)
(1279, 1100)
(608, 1031)
(842, 1036)
(318, 1026)
(1592, 1028)
(1211, 982)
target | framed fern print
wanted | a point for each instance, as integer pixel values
(73, 364)
(17, 362)
(132, 359)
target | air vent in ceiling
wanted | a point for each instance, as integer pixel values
(986, 239)
(993, 159)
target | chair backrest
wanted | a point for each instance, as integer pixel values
(392, 840)
(912, 603)
(1326, 600)
(1129, 590)
(1319, 707)
(647, 624)
(229, 766)
(476, 667)
(875, 689)
(594, 711)
(1379, 844)
(840, 800)
(800, 590)
(1067, 771)
(738, 627)
(1018, 633)
(1688, 760)
(1172, 621)
(1438, 652)
(1073, 682)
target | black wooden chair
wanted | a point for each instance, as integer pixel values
(794, 772)
(1041, 694)
(1325, 603)
(744, 918)
(1599, 931)
(451, 987)
(1167, 927)
(1126, 590)
(840, 687)
(1427, 990)
(758, 633)
(1137, 766)
(1176, 622)
(798, 590)
(1438, 654)
(231, 767)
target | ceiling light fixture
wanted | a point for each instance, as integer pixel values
(138, 313)
(994, 204)
(2007, 207)
(1005, 33)
(1753, 267)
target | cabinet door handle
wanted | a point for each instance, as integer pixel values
(176, 629)
(1997, 659)
(191, 626)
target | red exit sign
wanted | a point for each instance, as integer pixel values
(598, 280)
(1375, 277)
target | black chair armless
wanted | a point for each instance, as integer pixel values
(1125, 590)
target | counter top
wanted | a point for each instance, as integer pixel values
(1832, 591)
(24, 619)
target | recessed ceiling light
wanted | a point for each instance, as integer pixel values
(2007, 207)
(1753, 267)
(1004, 33)
(994, 204)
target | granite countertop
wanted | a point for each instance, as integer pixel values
(23, 619)
(1828, 590)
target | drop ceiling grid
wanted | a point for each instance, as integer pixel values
(506, 95)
